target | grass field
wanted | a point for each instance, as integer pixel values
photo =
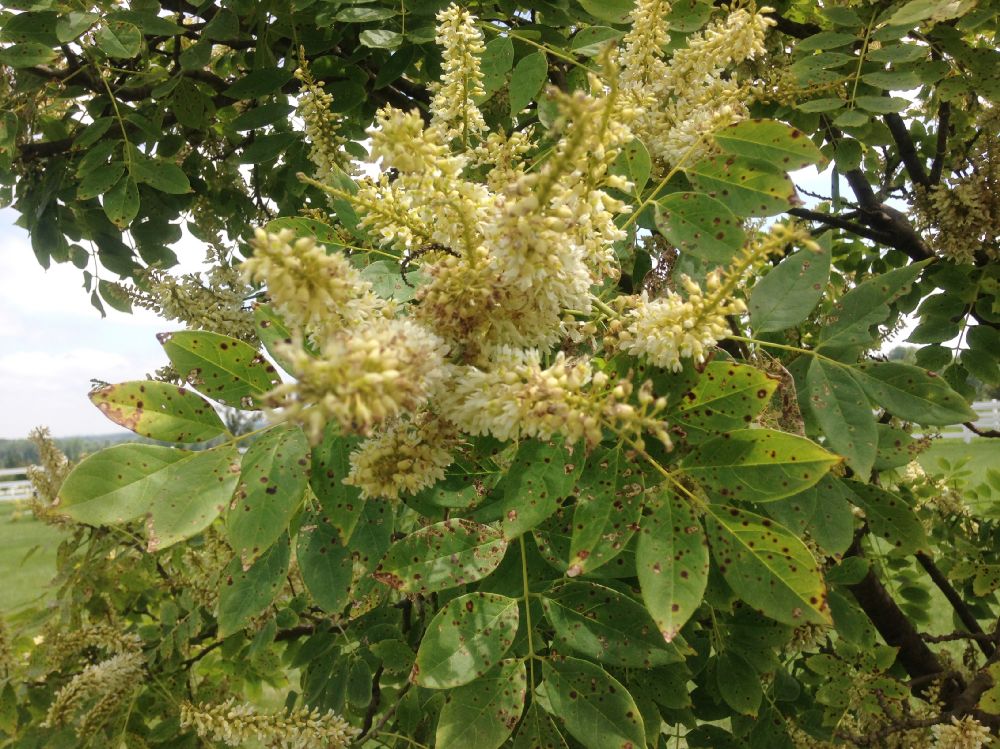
(27, 558)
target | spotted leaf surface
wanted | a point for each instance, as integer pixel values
(484, 713)
(594, 706)
(159, 410)
(246, 593)
(889, 517)
(894, 447)
(342, 504)
(747, 187)
(725, 397)
(738, 683)
(179, 492)
(271, 331)
(770, 141)
(823, 511)
(222, 368)
(369, 543)
(758, 465)
(541, 475)
(326, 564)
(538, 731)
(272, 485)
(672, 563)
(767, 566)
(441, 556)
(786, 295)
(465, 639)
(841, 408)
(606, 514)
(555, 535)
(913, 394)
(700, 225)
(608, 626)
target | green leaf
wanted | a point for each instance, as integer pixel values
(689, 15)
(159, 410)
(265, 148)
(364, 15)
(897, 53)
(843, 412)
(700, 225)
(608, 503)
(748, 187)
(538, 731)
(467, 637)
(767, 566)
(69, 26)
(725, 397)
(889, 517)
(258, 83)
(244, 594)
(851, 118)
(179, 492)
(223, 368)
(483, 714)
(823, 511)
(369, 543)
(121, 202)
(672, 563)
(496, 62)
(271, 331)
(308, 227)
(635, 164)
(738, 683)
(527, 80)
(273, 483)
(386, 278)
(614, 11)
(591, 40)
(864, 306)
(771, 142)
(594, 706)
(825, 40)
(265, 114)
(882, 104)
(541, 475)
(787, 294)
(757, 465)
(119, 39)
(325, 562)
(161, 175)
(554, 535)
(27, 55)
(603, 624)
(913, 394)
(98, 181)
(894, 447)
(342, 504)
(441, 556)
(380, 38)
(826, 104)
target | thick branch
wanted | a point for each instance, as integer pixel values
(907, 150)
(842, 223)
(941, 148)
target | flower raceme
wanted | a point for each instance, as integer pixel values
(511, 253)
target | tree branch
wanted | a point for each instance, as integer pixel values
(907, 150)
(842, 223)
(940, 150)
(963, 611)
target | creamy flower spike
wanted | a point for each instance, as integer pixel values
(403, 459)
(454, 104)
(315, 107)
(316, 291)
(237, 724)
(362, 377)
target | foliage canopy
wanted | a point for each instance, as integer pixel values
(573, 442)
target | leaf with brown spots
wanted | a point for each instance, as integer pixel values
(672, 563)
(342, 504)
(700, 226)
(555, 534)
(738, 682)
(843, 412)
(441, 556)
(913, 394)
(326, 564)
(767, 566)
(608, 626)
(788, 293)
(594, 706)
(538, 731)
(725, 397)
(608, 503)
(746, 186)
(272, 485)
(246, 593)
(889, 517)
(178, 491)
(483, 714)
(465, 639)
(222, 368)
(273, 333)
(770, 141)
(757, 465)
(159, 410)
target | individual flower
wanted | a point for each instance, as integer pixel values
(403, 459)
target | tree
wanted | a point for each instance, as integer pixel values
(580, 446)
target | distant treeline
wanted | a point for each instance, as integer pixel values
(17, 453)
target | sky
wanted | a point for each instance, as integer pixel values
(52, 341)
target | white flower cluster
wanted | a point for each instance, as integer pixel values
(237, 724)
(454, 102)
(107, 682)
(321, 125)
(695, 92)
(967, 733)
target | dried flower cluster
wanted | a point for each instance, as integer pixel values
(235, 724)
(511, 253)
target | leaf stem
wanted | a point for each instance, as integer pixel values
(527, 612)
(663, 182)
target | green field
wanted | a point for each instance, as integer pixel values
(27, 558)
